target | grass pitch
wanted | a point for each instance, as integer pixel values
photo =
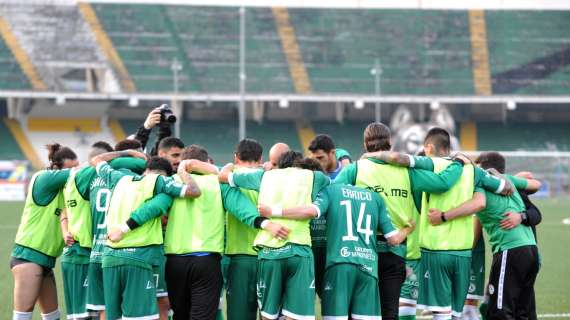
(552, 287)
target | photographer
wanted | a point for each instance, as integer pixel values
(161, 116)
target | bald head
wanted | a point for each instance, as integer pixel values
(276, 152)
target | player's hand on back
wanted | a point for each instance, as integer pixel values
(115, 234)
(267, 165)
(278, 231)
(137, 154)
(68, 239)
(463, 158)
(511, 220)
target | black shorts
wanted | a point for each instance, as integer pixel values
(511, 284)
(391, 276)
(46, 272)
(194, 285)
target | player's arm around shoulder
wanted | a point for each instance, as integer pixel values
(477, 203)
(393, 236)
(431, 182)
(156, 206)
(238, 205)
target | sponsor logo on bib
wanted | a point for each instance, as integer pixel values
(344, 252)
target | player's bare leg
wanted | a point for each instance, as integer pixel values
(27, 284)
(48, 298)
(163, 307)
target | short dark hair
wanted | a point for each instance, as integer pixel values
(98, 148)
(170, 142)
(249, 150)
(57, 154)
(128, 144)
(102, 145)
(322, 142)
(377, 137)
(439, 137)
(308, 163)
(195, 151)
(159, 164)
(491, 159)
(288, 159)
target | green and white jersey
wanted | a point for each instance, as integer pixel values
(491, 216)
(253, 181)
(165, 188)
(401, 189)
(354, 215)
(99, 195)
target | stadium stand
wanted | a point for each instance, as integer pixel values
(529, 51)
(149, 37)
(57, 41)
(421, 51)
(9, 148)
(146, 47)
(529, 136)
(11, 76)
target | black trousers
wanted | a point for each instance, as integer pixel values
(320, 258)
(194, 286)
(511, 284)
(391, 276)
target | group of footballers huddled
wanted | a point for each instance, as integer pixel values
(149, 237)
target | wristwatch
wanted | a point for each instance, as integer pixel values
(524, 217)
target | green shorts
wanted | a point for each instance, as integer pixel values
(95, 295)
(130, 292)
(288, 285)
(477, 276)
(444, 282)
(410, 287)
(241, 296)
(158, 273)
(75, 284)
(350, 292)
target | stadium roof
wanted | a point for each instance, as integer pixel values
(347, 98)
(348, 4)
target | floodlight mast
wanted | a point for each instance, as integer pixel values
(176, 67)
(242, 76)
(377, 72)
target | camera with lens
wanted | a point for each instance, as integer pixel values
(167, 117)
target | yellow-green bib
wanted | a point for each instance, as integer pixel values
(40, 225)
(286, 188)
(127, 196)
(456, 234)
(197, 225)
(393, 185)
(239, 236)
(78, 213)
